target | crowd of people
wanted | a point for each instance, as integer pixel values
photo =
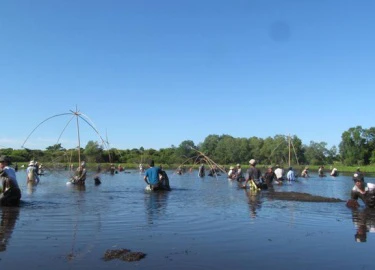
(157, 179)
(254, 179)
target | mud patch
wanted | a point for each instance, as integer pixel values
(300, 197)
(123, 254)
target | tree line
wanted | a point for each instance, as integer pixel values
(357, 147)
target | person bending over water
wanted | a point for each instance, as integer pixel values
(11, 193)
(321, 171)
(154, 178)
(80, 176)
(279, 174)
(32, 174)
(305, 172)
(366, 192)
(254, 177)
(232, 174)
(334, 172)
(269, 176)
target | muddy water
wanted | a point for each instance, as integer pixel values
(203, 223)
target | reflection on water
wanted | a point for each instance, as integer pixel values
(9, 216)
(80, 188)
(364, 221)
(255, 203)
(155, 204)
(31, 187)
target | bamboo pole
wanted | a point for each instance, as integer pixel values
(209, 161)
(289, 148)
(76, 113)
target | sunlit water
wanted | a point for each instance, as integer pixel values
(203, 223)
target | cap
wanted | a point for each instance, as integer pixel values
(252, 162)
(231, 168)
(238, 165)
(358, 177)
(31, 163)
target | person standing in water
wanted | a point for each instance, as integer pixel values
(279, 174)
(334, 172)
(152, 176)
(290, 175)
(239, 173)
(11, 193)
(321, 171)
(31, 174)
(164, 179)
(305, 172)
(254, 176)
(80, 176)
(269, 176)
(201, 170)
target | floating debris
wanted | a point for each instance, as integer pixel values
(123, 254)
(70, 257)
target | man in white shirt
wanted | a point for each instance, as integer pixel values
(364, 191)
(279, 174)
(11, 193)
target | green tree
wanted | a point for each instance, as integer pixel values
(167, 156)
(332, 155)
(316, 153)
(225, 151)
(20, 155)
(185, 151)
(209, 145)
(55, 147)
(352, 146)
(242, 151)
(255, 146)
(93, 152)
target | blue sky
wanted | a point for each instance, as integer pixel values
(155, 73)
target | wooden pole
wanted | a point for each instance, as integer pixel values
(79, 140)
(289, 149)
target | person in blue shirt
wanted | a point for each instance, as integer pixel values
(152, 176)
(290, 175)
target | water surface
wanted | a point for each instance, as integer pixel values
(203, 223)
